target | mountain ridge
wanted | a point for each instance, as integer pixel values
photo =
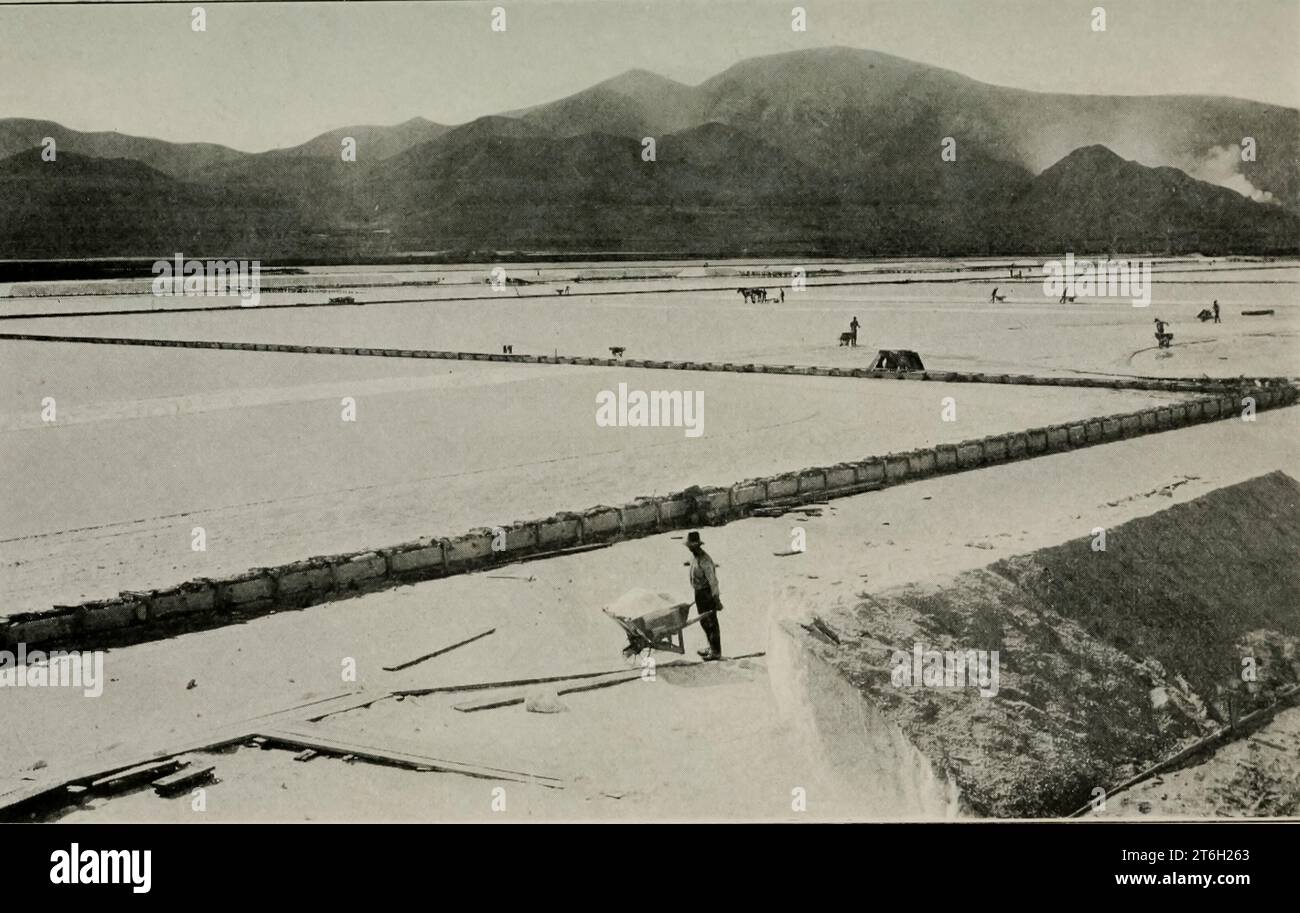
(821, 151)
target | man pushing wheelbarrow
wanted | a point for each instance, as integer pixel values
(653, 622)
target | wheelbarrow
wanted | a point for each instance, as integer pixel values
(655, 630)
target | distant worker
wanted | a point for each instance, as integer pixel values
(853, 328)
(1216, 311)
(708, 599)
(783, 296)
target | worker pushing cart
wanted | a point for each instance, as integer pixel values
(663, 626)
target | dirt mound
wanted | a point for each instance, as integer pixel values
(1187, 585)
(1092, 664)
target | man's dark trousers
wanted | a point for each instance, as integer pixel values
(704, 602)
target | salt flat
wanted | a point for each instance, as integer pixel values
(946, 316)
(251, 446)
(150, 443)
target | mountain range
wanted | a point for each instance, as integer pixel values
(833, 151)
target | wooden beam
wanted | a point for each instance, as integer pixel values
(329, 740)
(427, 656)
(520, 682)
(136, 776)
(509, 700)
(182, 780)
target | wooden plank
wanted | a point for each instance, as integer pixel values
(318, 710)
(489, 703)
(516, 697)
(520, 682)
(419, 659)
(183, 779)
(136, 776)
(510, 700)
(329, 740)
(399, 745)
(636, 676)
(314, 710)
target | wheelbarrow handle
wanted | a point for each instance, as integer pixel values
(702, 615)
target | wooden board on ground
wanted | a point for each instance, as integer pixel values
(509, 700)
(336, 741)
(515, 697)
(520, 682)
(183, 779)
(439, 652)
(136, 776)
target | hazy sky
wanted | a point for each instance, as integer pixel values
(276, 74)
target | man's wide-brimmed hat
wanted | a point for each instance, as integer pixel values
(693, 538)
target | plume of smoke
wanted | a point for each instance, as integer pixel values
(1222, 165)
